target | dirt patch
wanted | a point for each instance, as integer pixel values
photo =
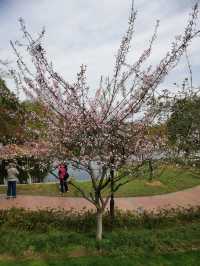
(79, 252)
(4, 257)
(155, 183)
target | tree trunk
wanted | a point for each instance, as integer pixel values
(112, 208)
(99, 225)
(29, 180)
(112, 201)
(150, 170)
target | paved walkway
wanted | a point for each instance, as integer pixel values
(185, 198)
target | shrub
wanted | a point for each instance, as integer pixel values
(84, 221)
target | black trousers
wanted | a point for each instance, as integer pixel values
(11, 192)
(63, 185)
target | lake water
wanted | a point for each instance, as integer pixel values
(76, 173)
(73, 172)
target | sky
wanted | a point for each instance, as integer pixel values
(89, 32)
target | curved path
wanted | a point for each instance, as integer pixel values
(185, 198)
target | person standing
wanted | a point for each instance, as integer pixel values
(61, 176)
(12, 174)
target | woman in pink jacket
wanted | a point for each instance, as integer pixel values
(62, 172)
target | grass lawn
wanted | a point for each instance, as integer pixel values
(180, 259)
(171, 179)
(172, 242)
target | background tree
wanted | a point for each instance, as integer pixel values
(152, 147)
(11, 116)
(86, 128)
(21, 123)
(183, 125)
(34, 120)
(33, 160)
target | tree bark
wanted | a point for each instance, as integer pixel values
(99, 225)
(150, 170)
(29, 180)
(112, 208)
(112, 201)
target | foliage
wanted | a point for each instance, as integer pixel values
(32, 168)
(21, 123)
(184, 125)
(84, 221)
(28, 167)
(35, 120)
(11, 116)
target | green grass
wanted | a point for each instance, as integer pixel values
(172, 241)
(180, 259)
(172, 179)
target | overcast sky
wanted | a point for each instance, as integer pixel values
(89, 32)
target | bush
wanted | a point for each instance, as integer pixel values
(85, 221)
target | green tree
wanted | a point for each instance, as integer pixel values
(30, 169)
(183, 126)
(21, 123)
(35, 114)
(11, 116)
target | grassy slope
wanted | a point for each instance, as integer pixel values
(172, 179)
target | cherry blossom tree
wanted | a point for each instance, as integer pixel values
(152, 146)
(94, 132)
(32, 159)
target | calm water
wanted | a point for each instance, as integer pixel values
(73, 172)
(77, 173)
